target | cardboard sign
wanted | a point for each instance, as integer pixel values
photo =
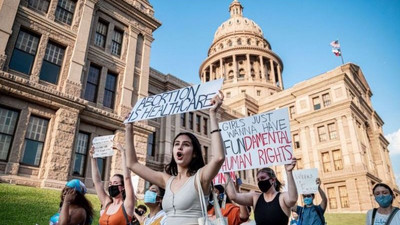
(221, 178)
(257, 141)
(103, 146)
(177, 101)
(306, 180)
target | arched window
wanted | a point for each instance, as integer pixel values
(139, 51)
(249, 41)
(230, 43)
(242, 72)
(239, 41)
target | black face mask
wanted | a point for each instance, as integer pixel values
(113, 190)
(264, 185)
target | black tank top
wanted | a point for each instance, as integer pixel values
(269, 213)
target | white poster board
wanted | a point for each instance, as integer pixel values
(306, 180)
(183, 100)
(222, 178)
(257, 141)
(103, 146)
(135, 182)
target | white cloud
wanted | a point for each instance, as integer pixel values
(394, 139)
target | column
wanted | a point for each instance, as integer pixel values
(271, 62)
(280, 76)
(354, 144)
(8, 10)
(262, 68)
(343, 145)
(73, 84)
(222, 75)
(235, 69)
(144, 78)
(248, 74)
(212, 74)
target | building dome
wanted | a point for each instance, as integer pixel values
(235, 25)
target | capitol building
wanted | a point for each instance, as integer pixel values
(70, 70)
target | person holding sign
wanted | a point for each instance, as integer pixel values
(386, 213)
(119, 203)
(181, 200)
(310, 213)
(271, 206)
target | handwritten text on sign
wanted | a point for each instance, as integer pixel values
(306, 180)
(222, 178)
(177, 101)
(103, 146)
(257, 141)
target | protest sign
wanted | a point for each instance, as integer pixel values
(257, 141)
(187, 99)
(222, 178)
(103, 146)
(306, 180)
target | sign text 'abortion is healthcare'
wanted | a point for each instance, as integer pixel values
(257, 141)
(187, 99)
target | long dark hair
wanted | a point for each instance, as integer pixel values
(194, 165)
(271, 174)
(81, 201)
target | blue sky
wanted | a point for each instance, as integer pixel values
(300, 33)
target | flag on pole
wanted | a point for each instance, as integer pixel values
(336, 48)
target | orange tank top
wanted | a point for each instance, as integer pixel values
(117, 218)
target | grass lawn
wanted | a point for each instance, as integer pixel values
(31, 206)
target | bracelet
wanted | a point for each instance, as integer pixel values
(216, 130)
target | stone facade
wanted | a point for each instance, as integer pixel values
(334, 126)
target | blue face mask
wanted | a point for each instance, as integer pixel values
(307, 201)
(221, 196)
(150, 197)
(384, 201)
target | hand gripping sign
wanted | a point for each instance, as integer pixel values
(103, 146)
(183, 100)
(306, 180)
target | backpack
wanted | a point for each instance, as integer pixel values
(394, 211)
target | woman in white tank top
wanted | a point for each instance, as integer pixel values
(181, 202)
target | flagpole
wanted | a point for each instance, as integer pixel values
(341, 52)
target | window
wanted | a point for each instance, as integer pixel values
(34, 141)
(332, 131)
(332, 198)
(183, 119)
(337, 159)
(198, 119)
(258, 93)
(316, 103)
(228, 94)
(39, 5)
(116, 44)
(65, 11)
(326, 162)
(8, 122)
(151, 144)
(326, 99)
(292, 111)
(109, 93)
(296, 140)
(191, 120)
(344, 199)
(139, 51)
(243, 91)
(81, 147)
(100, 36)
(24, 52)
(205, 154)
(321, 133)
(205, 126)
(52, 63)
(92, 83)
(101, 165)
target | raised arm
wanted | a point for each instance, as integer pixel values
(98, 185)
(322, 193)
(244, 212)
(245, 199)
(290, 197)
(132, 162)
(211, 169)
(130, 199)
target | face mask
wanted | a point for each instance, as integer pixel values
(307, 201)
(384, 201)
(264, 185)
(113, 190)
(221, 197)
(150, 197)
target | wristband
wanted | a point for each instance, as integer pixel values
(216, 130)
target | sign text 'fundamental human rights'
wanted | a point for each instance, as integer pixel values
(187, 99)
(257, 141)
